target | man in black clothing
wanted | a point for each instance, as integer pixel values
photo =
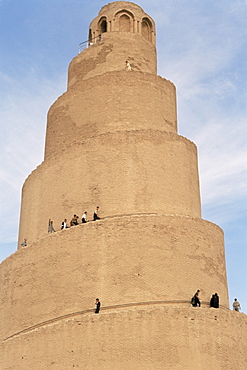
(97, 304)
(195, 299)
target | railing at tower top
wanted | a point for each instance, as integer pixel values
(85, 44)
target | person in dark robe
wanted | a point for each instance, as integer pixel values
(214, 301)
(97, 304)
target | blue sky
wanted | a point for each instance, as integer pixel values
(201, 48)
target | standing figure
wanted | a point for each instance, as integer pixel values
(236, 305)
(84, 218)
(64, 224)
(50, 227)
(214, 301)
(97, 304)
(128, 66)
(95, 214)
(195, 299)
(24, 243)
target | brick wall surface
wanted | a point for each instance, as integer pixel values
(121, 259)
(111, 102)
(124, 172)
(110, 55)
(148, 337)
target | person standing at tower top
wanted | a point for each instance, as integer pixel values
(236, 305)
(95, 214)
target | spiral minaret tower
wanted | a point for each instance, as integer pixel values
(112, 142)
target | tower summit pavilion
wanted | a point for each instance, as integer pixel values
(112, 142)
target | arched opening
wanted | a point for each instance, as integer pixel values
(103, 25)
(124, 23)
(147, 29)
(90, 36)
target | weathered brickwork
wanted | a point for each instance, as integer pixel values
(112, 142)
(121, 17)
(110, 55)
(146, 337)
(114, 101)
(124, 172)
(123, 259)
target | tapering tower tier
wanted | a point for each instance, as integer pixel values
(107, 103)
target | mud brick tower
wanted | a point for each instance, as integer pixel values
(112, 142)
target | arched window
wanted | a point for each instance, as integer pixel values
(103, 25)
(147, 29)
(90, 36)
(124, 23)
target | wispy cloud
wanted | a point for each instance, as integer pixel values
(23, 121)
(203, 58)
(222, 161)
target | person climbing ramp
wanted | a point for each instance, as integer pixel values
(97, 304)
(95, 214)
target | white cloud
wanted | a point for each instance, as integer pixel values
(203, 57)
(222, 159)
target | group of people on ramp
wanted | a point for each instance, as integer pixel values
(74, 221)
